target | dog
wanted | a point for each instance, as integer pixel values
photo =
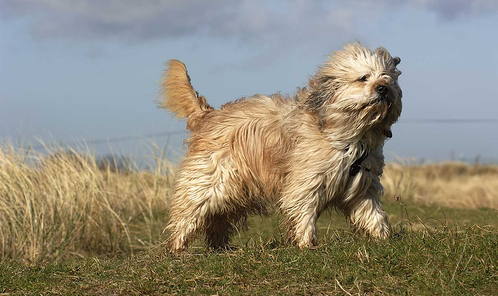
(321, 147)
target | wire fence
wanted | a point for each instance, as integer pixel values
(114, 139)
(449, 120)
(175, 153)
(111, 140)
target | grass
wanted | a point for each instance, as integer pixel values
(450, 184)
(69, 226)
(66, 205)
(443, 262)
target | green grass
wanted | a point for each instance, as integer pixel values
(435, 251)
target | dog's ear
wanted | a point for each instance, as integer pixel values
(383, 53)
(396, 61)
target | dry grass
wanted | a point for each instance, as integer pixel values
(449, 184)
(52, 207)
(64, 204)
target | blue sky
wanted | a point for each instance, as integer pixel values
(83, 70)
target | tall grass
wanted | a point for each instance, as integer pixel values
(449, 184)
(68, 204)
(63, 204)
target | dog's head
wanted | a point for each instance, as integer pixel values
(358, 84)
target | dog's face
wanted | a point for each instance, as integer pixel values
(359, 83)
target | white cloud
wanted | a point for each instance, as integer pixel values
(451, 9)
(134, 21)
(138, 21)
(117, 20)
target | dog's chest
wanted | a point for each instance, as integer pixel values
(351, 171)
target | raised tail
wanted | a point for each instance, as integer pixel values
(178, 95)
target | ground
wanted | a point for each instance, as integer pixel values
(70, 227)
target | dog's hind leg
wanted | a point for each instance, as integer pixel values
(219, 229)
(185, 222)
(200, 204)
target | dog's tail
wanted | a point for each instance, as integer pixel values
(178, 95)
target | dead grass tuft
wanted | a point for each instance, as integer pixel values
(449, 184)
(64, 204)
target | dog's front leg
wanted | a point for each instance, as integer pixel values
(366, 214)
(301, 205)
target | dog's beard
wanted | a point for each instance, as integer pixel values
(369, 110)
(375, 113)
(381, 100)
(377, 108)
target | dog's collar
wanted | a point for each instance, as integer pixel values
(356, 166)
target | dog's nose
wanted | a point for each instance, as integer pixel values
(381, 89)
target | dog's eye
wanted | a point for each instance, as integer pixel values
(363, 78)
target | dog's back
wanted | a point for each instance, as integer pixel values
(226, 131)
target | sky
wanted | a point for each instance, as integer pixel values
(89, 70)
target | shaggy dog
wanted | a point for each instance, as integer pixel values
(321, 147)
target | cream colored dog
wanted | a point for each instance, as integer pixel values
(320, 148)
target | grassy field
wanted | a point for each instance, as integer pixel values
(72, 226)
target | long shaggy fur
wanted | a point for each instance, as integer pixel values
(293, 152)
(178, 95)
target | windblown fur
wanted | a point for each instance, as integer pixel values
(295, 153)
(179, 96)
